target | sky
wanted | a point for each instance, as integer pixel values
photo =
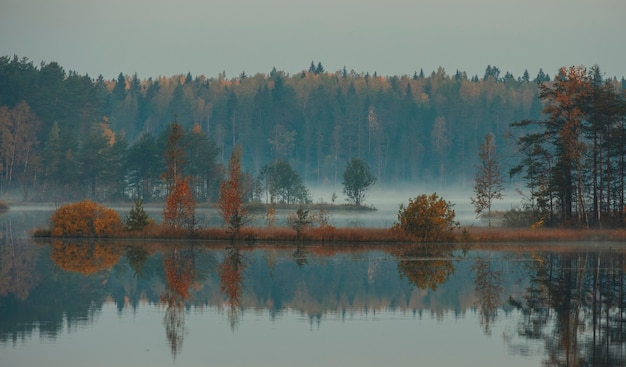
(392, 37)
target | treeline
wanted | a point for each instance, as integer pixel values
(83, 133)
(573, 160)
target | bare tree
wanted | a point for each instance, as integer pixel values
(488, 181)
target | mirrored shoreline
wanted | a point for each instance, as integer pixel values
(551, 303)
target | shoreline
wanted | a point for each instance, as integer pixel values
(361, 235)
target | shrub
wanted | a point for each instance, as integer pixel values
(518, 218)
(299, 221)
(427, 218)
(84, 219)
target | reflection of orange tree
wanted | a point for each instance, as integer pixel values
(179, 267)
(426, 265)
(179, 272)
(230, 272)
(84, 257)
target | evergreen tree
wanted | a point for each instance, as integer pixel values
(137, 218)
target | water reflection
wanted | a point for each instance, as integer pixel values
(179, 267)
(571, 301)
(82, 256)
(575, 305)
(300, 255)
(488, 287)
(230, 271)
(426, 265)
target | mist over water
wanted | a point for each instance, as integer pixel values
(387, 200)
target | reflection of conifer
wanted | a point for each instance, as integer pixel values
(137, 257)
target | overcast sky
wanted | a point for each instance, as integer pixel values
(391, 37)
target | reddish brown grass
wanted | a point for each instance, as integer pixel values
(359, 235)
(541, 235)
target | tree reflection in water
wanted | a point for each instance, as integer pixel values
(84, 257)
(137, 257)
(18, 261)
(575, 305)
(426, 265)
(300, 255)
(230, 271)
(488, 288)
(571, 301)
(179, 267)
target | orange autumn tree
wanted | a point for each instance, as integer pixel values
(85, 219)
(180, 206)
(230, 203)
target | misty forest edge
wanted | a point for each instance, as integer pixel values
(67, 137)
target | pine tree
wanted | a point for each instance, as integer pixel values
(137, 219)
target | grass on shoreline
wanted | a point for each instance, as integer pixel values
(367, 235)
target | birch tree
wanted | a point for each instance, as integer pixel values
(488, 182)
(231, 201)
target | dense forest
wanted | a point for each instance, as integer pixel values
(68, 136)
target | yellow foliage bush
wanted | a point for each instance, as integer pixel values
(427, 218)
(84, 219)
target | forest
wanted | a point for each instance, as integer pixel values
(66, 136)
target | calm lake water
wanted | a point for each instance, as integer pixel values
(95, 303)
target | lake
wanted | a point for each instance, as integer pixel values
(185, 303)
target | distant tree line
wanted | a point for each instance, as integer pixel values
(70, 135)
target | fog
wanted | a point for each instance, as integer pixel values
(387, 201)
